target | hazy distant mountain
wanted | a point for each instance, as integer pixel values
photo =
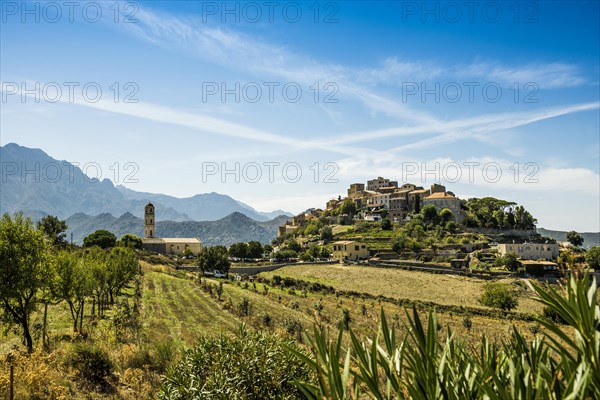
(233, 228)
(201, 207)
(589, 238)
(37, 184)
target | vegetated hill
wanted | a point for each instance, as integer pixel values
(275, 222)
(590, 239)
(233, 228)
(62, 189)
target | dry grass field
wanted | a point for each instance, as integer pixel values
(402, 284)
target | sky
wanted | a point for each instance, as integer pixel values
(282, 105)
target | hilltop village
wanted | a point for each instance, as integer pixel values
(389, 224)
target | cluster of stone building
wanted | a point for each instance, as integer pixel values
(381, 194)
(398, 201)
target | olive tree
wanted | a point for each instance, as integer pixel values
(23, 269)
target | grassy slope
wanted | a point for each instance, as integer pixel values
(397, 283)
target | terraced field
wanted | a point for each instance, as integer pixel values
(401, 284)
(174, 308)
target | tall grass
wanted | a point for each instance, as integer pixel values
(556, 365)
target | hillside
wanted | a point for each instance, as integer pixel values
(590, 239)
(233, 228)
(62, 189)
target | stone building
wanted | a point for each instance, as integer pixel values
(348, 250)
(156, 244)
(530, 251)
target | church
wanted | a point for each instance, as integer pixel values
(156, 244)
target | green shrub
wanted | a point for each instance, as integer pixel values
(499, 295)
(266, 319)
(293, 328)
(164, 353)
(552, 315)
(245, 366)
(244, 307)
(140, 359)
(92, 363)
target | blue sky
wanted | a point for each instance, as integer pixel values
(419, 92)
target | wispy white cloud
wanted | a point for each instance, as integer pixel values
(551, 75)
(483, 172)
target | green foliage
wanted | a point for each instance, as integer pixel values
(293, 328)
(552, 315)
(164, 352)
(251, 249)
(121, 267)
(246, 366)
(255, 249)
(313, 227)
(244, 307)
(306, 256)
(326, 234)
(71, 282)
(489, 212)
(101, 238)
(291, 244)
(451, 226)
(430, 214)
(54, 229)
(386, 224)
(421, 366)
(499, 295)
(266, 319)
(213, 258)
(575, 238)
(238, 250)
(592, 257)
(23, 270)
(284, 255)
(348, 207)
(131, 241)
(91, 362)
(508, 261)
(446, 216)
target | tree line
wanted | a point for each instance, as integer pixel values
(37, 268)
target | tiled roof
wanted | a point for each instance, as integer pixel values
(172, 240)
(439, 195)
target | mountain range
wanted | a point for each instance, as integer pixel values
(233, 228)
(37, 184)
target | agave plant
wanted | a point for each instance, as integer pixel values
(558, 365)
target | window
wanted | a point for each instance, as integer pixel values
(356, 247)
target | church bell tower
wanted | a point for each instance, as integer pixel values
(149, 221)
